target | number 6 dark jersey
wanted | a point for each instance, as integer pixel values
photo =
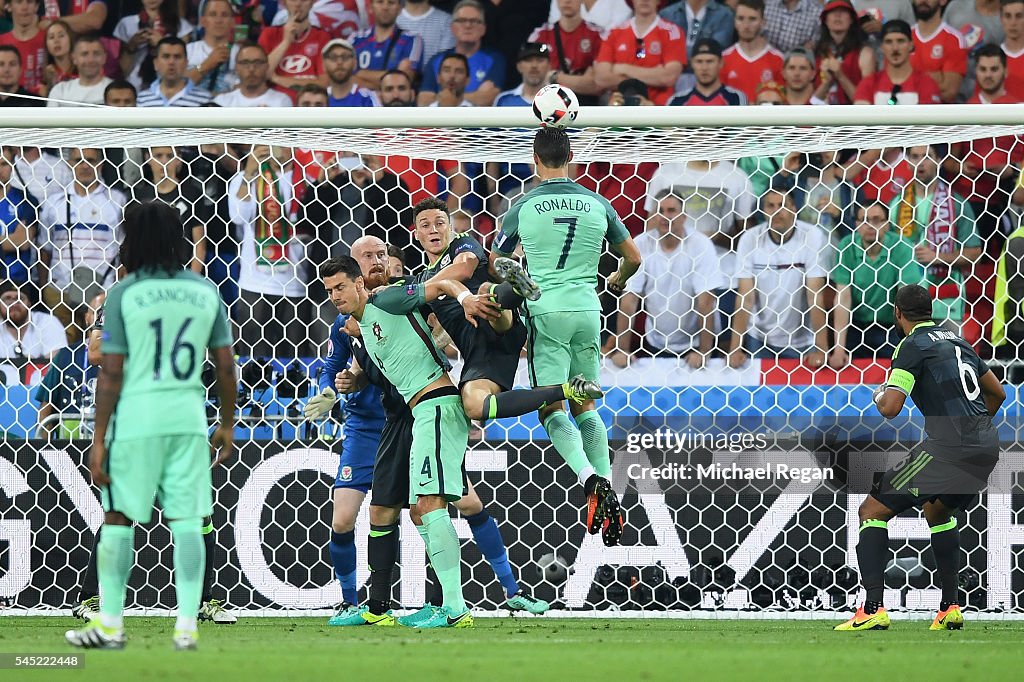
(941, 374)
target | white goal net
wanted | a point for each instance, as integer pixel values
(733, 348)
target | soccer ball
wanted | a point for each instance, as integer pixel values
(553, 568)
(556, 106)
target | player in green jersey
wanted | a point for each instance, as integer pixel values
(562, 228)
(151, 432)
(399, 343)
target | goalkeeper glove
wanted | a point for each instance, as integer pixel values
(320, 405)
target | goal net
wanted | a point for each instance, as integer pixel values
(750, 341)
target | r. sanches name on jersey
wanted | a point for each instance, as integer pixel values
(556, 204)
(188, 296)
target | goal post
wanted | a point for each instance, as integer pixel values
(692, 185)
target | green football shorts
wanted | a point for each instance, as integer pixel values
(562, 345)
(175, 468)
(440, 435)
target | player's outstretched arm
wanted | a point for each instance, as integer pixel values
(108, 392)
(461, 269)
(629, 263)
(994, 393)
(474, 305)
(402, 300)
(227, 388)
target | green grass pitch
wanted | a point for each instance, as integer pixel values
(555, 650)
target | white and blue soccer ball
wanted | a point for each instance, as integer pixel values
(553, 569)
(556, 106)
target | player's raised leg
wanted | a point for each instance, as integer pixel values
(945, 540)
(872, 555)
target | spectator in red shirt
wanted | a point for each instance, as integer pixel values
(938, 48)
(706, 62)
(29, 39)
(898, 82)
(798, 73)
(985, 169)
(294, 50)
(574, 44)
(752, 60)
(1011, 16)
(647, 48)
(843, 53)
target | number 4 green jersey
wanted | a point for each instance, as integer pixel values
(562, 227)
(163, 323)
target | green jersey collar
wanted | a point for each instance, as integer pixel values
(919, 325)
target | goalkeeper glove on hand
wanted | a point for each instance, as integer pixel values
(320, 405)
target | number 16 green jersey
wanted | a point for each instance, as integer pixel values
(163, 324)
(562, 227)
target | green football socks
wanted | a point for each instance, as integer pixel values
(445, 557)
(116, 556)
(565, 437)
(189, 564)
(595, 442)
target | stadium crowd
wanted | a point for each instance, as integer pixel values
(793, 256)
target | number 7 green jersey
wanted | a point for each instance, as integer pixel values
(163, 324)
(562, 227)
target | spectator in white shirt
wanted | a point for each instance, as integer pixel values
(781, 273)
(253, 85)
(172, 88)
(27, 335)
(607, 14)
(79, 233)
(674, 286)
(272, 279)
(89, 57)
(432, 25)
(211, 61)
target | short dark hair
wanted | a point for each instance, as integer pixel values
(992, 51)
(170, 40)
(344, 265)
(756, 5)
(246, 44)
(876, 203)
(395, 252)
(429, 204)
(119, 84)
(403, 74)
(457, 57)
(86, 38)
(311, 89)
(914, 302)
(154, 238)
(1004, 3)
(670, 193)
(13, 50)
(552, 147)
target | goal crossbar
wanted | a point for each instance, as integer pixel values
(611, 134)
